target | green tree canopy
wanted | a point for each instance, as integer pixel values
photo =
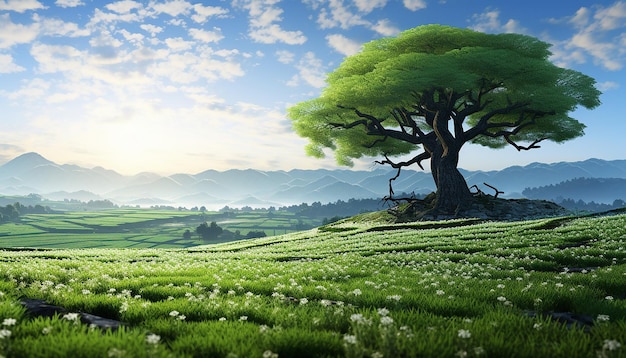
(434, 88)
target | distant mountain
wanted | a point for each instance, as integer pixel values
(599, 190)
(32, 173)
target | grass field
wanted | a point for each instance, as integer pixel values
(358, 288)
(137, 228)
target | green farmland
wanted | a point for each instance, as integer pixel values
(358, 288)
(138, 228)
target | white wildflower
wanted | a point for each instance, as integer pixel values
(153, 338)
(9, 322)
(349, 339)
(611, 345)
(603, 317)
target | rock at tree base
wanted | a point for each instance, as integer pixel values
(481, 207)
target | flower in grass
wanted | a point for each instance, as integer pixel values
(440, 292)
(377, 355)
(46, 330)
(611, 345)
(609, 298)
(270, 354)
(71, 317)
(479, 350)
(349, 339)
(243, 318)
(501, 298)
(9, 322)
(5, 333)
(357, 292)
(174, 313)
(603, 317)
(222, 319)
(153, 338)
(304, 301)
(357, 317)
(383, 312)
(386, 320)
(263, 328)
(464, 333)
(537, 326)
(394, 298)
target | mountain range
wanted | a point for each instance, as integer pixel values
(32, 173)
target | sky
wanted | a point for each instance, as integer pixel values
(176, 86)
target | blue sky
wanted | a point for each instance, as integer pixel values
(183, 86)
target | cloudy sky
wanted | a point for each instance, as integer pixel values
(183, 86)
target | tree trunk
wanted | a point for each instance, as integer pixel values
(452, 190)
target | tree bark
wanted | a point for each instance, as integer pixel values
(452, 190)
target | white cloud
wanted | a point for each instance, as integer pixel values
(107, 17)
(415, 5)
(285, 56)
(368, 5)
(68, 3)
(124, 6)
(178, 44)
(274, 33)
(56, 58)
(203, 12)
(385, 28)
(263, 27)
(20, 5)
(343, 44)
(13, 34)
(206, 36)
(311, 71)
(152, 29)
(57, 27)
(489, 22)
(339, 15)
(134, 38)
(173, 8)
(581, 18)
(607, 86)
(8, 66)
(612, 17)
(600, 35)
(602, 52)
(31, 90)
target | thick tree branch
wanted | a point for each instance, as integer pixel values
(399, 165)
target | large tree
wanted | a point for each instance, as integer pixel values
(431, 90)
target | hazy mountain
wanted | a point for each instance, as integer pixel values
(599, 190)
(32, 173)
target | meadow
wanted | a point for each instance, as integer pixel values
(139, 228)
(361, 287)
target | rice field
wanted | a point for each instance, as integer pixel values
(358, 288)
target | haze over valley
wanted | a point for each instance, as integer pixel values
(32, 173)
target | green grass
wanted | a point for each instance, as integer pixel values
(137, 228)
(357, 288)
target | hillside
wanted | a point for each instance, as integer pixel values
(360, 287)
